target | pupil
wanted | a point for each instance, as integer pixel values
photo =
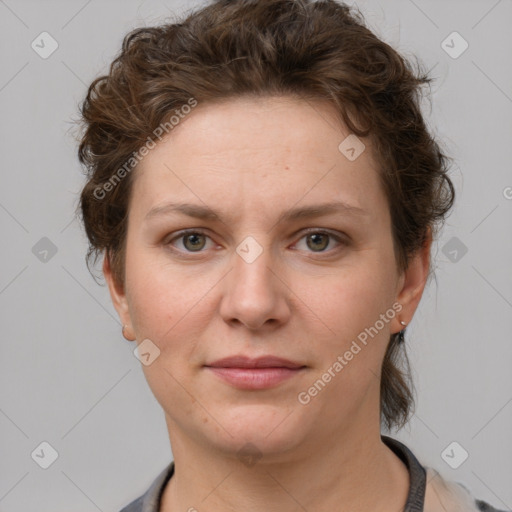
(193, 239)
(315, 239)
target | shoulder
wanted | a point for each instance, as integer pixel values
(446, 495)
(150, 500)
(430, 492)
(134, 506)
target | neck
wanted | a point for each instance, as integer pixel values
(357, 475)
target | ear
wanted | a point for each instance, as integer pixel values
(118, 296)
(412, 282)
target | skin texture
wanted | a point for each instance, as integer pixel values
(303, 298)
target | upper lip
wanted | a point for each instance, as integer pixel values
(241, 361)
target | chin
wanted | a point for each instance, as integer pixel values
(270, 429)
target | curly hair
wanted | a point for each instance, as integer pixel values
(231, 48)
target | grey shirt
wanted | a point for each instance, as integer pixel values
(151, 499)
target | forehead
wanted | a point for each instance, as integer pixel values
(263, 125)
(263, 152)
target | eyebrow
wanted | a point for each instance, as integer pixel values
(206, 213)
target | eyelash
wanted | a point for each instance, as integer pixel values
(199, 231)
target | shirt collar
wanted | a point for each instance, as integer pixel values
(417, 475)
(150, 501)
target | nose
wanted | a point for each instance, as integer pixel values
(255, 294)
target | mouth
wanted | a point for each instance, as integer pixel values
(254, 378)
(261, 373)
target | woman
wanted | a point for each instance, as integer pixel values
(221, 151)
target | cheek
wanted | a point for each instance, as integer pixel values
(162, 310)
(354, 296)
(165, 304)
(350, 304)
(156, 303)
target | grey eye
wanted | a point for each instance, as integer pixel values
(194, 241)
(318, 241)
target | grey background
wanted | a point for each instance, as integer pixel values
(67, 376)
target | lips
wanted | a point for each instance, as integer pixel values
(241, 361)
(245, 373)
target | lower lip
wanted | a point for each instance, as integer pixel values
(254, 378)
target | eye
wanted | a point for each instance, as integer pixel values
(319, 241)
(193, 240)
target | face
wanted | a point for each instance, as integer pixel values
(263, 274)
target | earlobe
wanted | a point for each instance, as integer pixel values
(128, 333)
(414, 280)
(118, 297)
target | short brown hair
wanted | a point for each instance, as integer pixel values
(314, 50)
